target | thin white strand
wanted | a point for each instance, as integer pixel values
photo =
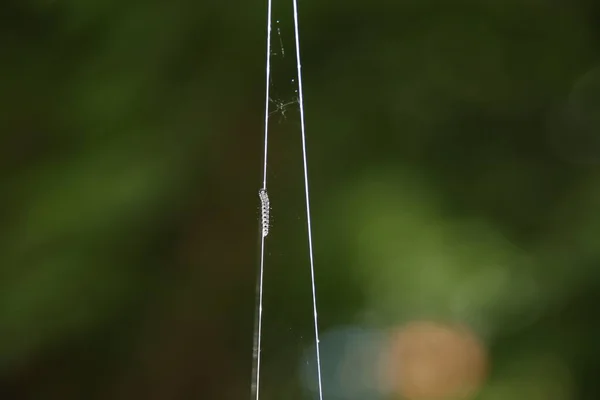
(267, 85)
(258, 328)
(308, 219)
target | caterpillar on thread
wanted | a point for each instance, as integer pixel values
(264, 210)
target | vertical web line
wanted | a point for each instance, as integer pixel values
(258, 326)
(268, 84)
(304, 158)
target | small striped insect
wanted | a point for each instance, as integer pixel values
(264, 211)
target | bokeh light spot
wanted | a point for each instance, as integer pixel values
(428, 360)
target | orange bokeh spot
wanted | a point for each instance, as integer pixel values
(428, 360)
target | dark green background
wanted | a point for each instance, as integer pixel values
(453, 156)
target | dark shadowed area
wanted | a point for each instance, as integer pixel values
(454, 165)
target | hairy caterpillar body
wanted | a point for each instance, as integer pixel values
(264, 211)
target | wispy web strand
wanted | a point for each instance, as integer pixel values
(308, 218)
(258, 326)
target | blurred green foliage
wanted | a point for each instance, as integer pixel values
(453, 156)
